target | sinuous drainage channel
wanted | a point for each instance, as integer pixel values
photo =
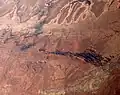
(89, 56)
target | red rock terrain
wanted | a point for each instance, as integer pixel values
(28, 26)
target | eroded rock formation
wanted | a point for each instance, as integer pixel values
(28, 26)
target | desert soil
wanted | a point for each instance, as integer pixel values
(65, 25)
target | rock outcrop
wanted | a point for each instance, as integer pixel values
(28, 26)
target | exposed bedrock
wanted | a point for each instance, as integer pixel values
(29, 28)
